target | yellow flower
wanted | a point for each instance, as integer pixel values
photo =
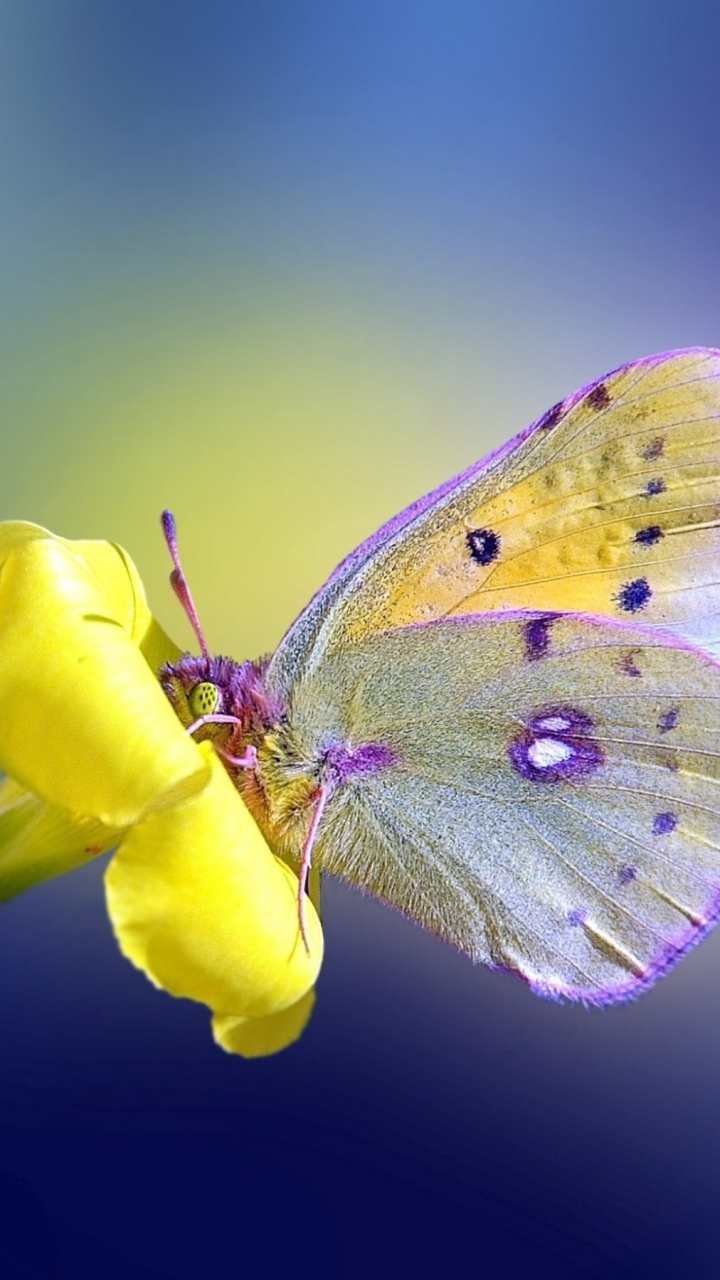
(96, 757)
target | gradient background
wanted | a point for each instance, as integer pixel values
(284, 267)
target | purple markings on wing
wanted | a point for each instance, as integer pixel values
(654, 449)
(577, 917)
(385, 535)
(634, 595)
(664, 823)
(398, 523)
(653, 487)
(629, 666)
(566, 760)
(351, 762)
(670, 954)
(669, 720)
(552, 417)
(598, 397)
(555, 746)
(648, 537)
(559, 719)
(627, 874)
(483, 545)
(537, 636)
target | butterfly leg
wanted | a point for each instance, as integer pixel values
(212, 718)
(322, 795)
(247, 760)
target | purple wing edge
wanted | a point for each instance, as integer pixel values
(668, 957)
(663, 639)
(673, 951)
(388, 530)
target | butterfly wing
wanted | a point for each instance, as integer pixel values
(556, 813)
(608, 504)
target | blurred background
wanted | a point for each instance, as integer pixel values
(283, 267)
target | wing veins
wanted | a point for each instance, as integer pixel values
(661, 746)
(624, 402)
(596, 887)
(591, 492)
(592, 573)
(646, 848)
(654, 795)
(431, 903)
(424, 836)
(567, 535)
(430, 843)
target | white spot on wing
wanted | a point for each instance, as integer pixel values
(553, 724)
(546, 752)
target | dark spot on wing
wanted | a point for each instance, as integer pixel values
(634, 595)
(537, 636)
(629, 666)
(552, 417)
(648, 537)
(483, 545)
(576, 917)
(668, 720)
(653, 450)
(627, 874)
(556, 746)
(663, 823)
(652, 488)
(599, 397)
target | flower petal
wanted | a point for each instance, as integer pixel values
(38, 840)
(84, 723)
(201, 905)
(259, 1037)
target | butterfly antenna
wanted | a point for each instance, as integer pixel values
(178, 580)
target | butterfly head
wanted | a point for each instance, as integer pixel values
(200, 688)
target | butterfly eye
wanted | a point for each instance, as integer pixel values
(203, 699)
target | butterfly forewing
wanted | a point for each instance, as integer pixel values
(608, 504)
(553, 801)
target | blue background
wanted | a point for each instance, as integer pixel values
(284, 267)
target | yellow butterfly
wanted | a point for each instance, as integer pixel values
(501, 713)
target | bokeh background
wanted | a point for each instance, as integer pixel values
(284, 267)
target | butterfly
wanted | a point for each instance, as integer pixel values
(501, 714)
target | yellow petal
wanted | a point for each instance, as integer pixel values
(201, 905)
(259, 1037)
(83, 721)
(39, 840)
(157, 648)
(129, 596)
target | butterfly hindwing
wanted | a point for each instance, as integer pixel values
(551, 794)
(609, 504)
